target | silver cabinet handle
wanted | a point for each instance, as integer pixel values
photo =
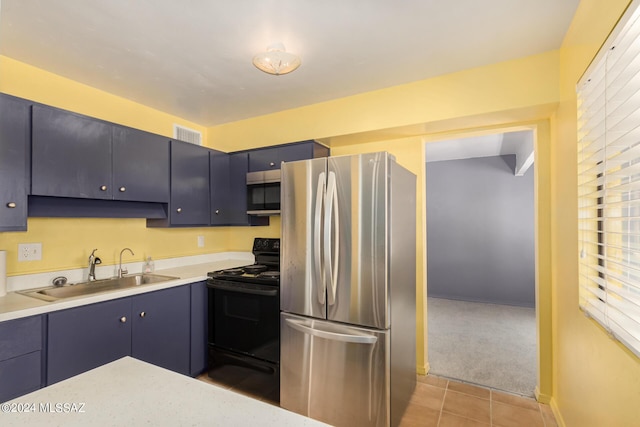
(217, 211)
(122, 189)
(123, 319)
(11, 205)
(142, 314)
(179, 210)
(272, 164)
(103, 188)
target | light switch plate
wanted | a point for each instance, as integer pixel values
(29, 251)
(201, 241)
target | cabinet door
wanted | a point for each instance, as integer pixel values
(20, 357)
(237, 202)
(83, 338)
(161, 328)
(20, 375)
(71, 155)
(14, 167)
(199, 328)
(220, 191)
(140, 166)
(293, 152)
(189, 184)
(264, 159)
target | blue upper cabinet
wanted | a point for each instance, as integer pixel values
(81, 157)
(140, 166)
(271, 157)
(71, 155)
(229, 190)
(219, 170)
(189, 204)
(15, 134)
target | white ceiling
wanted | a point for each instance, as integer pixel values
(192, 58)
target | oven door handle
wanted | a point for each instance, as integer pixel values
(242, 290)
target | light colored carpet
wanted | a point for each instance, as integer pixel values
(485, 344)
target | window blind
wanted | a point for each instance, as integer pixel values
(609, 183)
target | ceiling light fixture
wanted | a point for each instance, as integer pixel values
(276, 60)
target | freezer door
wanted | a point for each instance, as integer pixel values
(334, 373)
(355, 240)
(302, 282)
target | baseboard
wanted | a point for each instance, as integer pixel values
(556, 413)
(423, 369)
(541, 397)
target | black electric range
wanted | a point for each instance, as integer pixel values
(244, 329)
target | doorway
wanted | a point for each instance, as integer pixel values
(481, 291)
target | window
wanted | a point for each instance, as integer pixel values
(609, 183)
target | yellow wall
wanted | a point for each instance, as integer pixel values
(66, 243)
(597, 381)
(498, 88)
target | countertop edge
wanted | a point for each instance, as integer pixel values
(15, 306)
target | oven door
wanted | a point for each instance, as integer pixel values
(244, 318)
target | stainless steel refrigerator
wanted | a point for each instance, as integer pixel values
(347, 289)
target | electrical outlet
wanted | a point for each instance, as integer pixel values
(201, 241)
(29, 251)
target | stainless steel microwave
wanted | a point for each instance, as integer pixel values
(263, 192)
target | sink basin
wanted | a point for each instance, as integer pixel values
(55, 293)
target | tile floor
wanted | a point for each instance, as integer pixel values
(438, 402)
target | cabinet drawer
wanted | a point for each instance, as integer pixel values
(20, 375)
(20, 336)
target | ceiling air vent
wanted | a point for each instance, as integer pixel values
(182, 133)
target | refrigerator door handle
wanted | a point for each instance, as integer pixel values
(317, 221)
(335, 336)
(331, 260)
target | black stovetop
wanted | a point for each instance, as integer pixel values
(266, 269)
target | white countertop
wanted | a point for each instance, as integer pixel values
(129, 392)
(14, 305)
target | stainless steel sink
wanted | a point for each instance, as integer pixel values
(55, 293)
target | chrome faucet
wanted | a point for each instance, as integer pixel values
(93, 260)
(123, 271)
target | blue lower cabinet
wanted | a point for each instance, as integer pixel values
(153, 327)
(20, 375)
(83, 338)
(20, 357)
(161, 328)
(199, 328)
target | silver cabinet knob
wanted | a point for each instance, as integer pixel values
(122, 189)
(11, 205)
(142, 314)
(123, 319)
(179, 210)
(217, 211)
(272, 164)
(103, 188)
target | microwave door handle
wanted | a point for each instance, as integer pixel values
(330, 335)
(317, 221)
(331, 259)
